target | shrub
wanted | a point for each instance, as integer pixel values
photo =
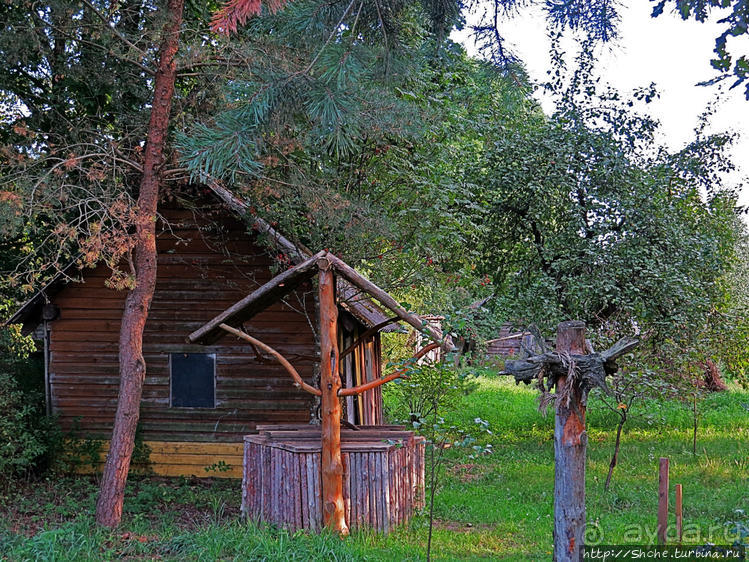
(21, 443)
(26, 435)
(428, 388)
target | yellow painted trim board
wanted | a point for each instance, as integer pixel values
(175, 458)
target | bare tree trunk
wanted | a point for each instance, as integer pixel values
(435, 465)
(138, 302)
(334, 515)
(570, 443)
(615, 456)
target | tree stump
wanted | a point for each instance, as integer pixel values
(570, 442)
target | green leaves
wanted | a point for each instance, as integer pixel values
(734, 24)
(313, 80)
(590, 219)
(22, 427)
(447, 184)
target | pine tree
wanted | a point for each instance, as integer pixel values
(138, 301)
(84, 144)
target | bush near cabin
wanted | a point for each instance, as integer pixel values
(26, 434)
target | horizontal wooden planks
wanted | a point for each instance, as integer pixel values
(186, 459)
(204, 267)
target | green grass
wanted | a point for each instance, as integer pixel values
(495, 507)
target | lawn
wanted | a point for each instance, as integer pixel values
(497, 506)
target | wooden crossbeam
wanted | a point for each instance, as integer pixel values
(364, 284)
(257, 301)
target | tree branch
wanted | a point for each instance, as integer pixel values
(114, 30)
(298, 381)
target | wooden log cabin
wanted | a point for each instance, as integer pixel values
(199, 401)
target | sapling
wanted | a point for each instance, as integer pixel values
(629, 389)
(432, 391)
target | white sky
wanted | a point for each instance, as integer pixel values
(673, 53)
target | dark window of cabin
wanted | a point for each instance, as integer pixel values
(193, 377)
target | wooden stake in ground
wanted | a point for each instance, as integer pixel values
(662, 500)
(334, 515)
(570, 443)
(679, 520)
(138, 302)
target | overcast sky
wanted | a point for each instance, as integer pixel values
(674, 54)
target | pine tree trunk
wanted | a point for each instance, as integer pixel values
(138, 302)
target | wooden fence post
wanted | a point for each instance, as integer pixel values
(679, 519)
(334, 515)
(570, 442)
(662, 500)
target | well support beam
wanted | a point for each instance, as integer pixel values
(570, 443)
(334, 515)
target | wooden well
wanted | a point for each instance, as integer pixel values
(383, 476)
(302, 477)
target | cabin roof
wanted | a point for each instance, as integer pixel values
(285, 282)
(30, 312)
(362, 308)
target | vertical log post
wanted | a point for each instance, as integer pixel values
(330, 383)
(662, 500)
(570, 442)
(679, 520)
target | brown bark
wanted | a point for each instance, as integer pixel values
(334, 515)
(662, 528)
(138, 302)
(615, 456)
(570, 442)
(713, 381)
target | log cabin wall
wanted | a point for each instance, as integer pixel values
(504, 345)
(207, 262)
(205, 265)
